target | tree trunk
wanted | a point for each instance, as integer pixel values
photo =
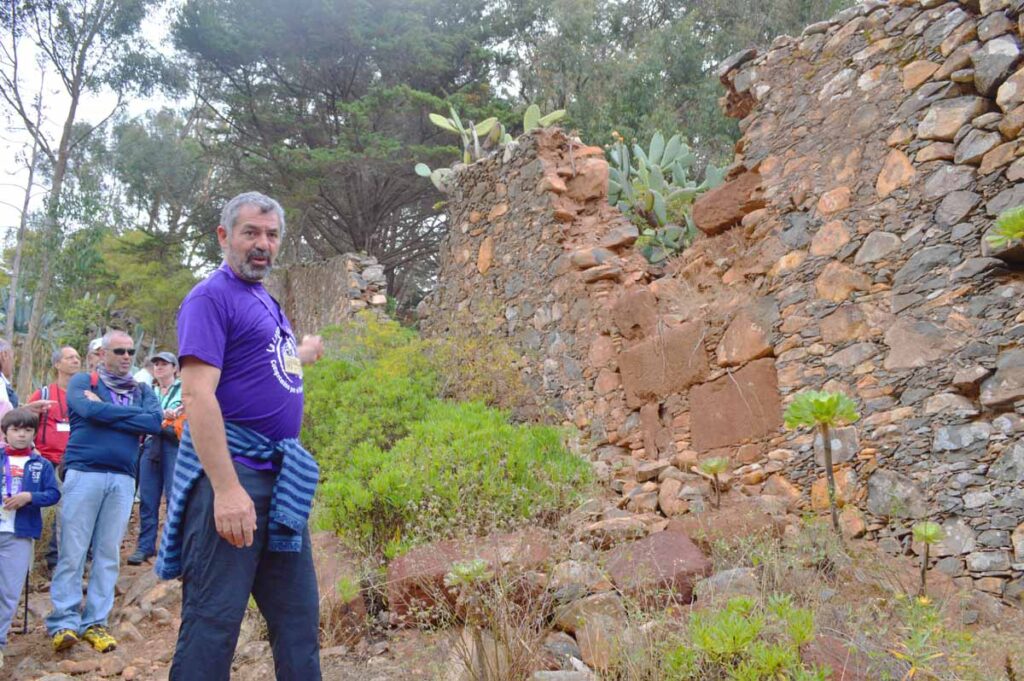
(51, 242)
(826, 439)
(12, 294)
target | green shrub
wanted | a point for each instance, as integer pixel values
(744, 642)
(461, 470)
(374, 382)
(400, 466)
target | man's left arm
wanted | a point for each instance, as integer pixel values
(147, 417)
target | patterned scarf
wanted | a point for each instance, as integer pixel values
(122, 385)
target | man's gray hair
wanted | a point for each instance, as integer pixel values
(264, 203)
(111, 335)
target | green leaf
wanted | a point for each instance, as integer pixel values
(660, 209)
(531, 118)
(442, 122)
(485, 126)
(552, 117)
(928, 532)
(812, 408)
(641, 156)
(657, 179)
(657, 147)
(713, 176)
(456, 120)
(422, 169)
(675, 144)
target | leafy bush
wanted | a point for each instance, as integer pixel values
(374, 382)
(461, 469)
(745, 642)
(401, 466)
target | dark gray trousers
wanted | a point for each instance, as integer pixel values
(217, 579)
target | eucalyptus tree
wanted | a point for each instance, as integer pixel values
(91, 47)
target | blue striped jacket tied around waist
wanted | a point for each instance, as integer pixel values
(289, 505)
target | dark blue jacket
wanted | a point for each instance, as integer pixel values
(41, 481)
(105, 436)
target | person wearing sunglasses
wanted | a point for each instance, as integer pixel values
(109, 413)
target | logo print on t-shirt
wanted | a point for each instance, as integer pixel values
(281, 347)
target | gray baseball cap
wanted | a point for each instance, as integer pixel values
(165, 356)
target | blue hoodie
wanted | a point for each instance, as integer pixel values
(105, 436)
(40, 480)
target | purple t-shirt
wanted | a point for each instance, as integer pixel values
(238, 327)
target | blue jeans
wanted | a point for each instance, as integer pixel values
(156, 473)
(217, 579)
(15, 559)
(94, 510)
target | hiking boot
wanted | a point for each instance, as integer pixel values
(138, 558)
(64, 639)
(99, 638)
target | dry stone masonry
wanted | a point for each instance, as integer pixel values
(318, 294)
(846, 251)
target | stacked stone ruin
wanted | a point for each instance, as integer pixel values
(325, 292)
(846, 251)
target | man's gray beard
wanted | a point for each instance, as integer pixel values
(251, 273)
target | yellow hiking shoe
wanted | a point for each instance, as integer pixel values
(99, 638)
(64, 639)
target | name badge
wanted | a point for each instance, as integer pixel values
(63, 427)
(293, 365)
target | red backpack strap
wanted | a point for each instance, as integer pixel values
(94, 381)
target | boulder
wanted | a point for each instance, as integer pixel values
(663, 364)
(635, 313)
(946, 179)
(994, 62)
(735, 407)
(342, 608)
(732, 524)
(590, 181)
(975, 144)
(724, 206)
(892, 494)
(659, 568)
(945, 118)
(845, 660)
(1006, 386)
(897, 171)
(749, 335)
(837, 281)
(876, 247)
(1009, 467)
(726, 584)
(415, 581)
(955, 207)
(914, 344)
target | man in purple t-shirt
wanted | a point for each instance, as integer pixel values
(241, 366)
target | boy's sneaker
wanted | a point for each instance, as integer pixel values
(99, 638)
(64, 639)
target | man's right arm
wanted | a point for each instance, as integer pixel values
(233, 511)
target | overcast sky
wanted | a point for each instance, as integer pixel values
(14, 139)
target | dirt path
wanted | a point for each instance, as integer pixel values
(145, 621)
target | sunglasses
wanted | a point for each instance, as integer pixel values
(123, 351)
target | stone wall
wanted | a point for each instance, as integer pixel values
(318, 294)
(846, 251)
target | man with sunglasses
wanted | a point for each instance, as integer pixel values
(109, 413)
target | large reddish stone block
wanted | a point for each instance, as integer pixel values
(724, 206)
(667, 362)
(415, 581)
(661, 567)
(732, 524)
(636, 313)
(736, 407)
